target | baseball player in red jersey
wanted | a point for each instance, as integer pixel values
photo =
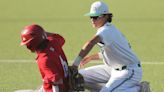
(51, 59)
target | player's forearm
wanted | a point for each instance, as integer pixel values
(84, 51)
(94, 56)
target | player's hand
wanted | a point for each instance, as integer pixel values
(85, 61)
(73, 69)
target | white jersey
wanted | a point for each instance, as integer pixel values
(115, 49)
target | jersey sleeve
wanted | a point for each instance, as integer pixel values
(58, 38)
(105, 36)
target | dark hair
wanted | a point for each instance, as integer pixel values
(110, 15)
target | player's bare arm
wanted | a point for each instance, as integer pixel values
(86, 49)
(89, 58)
(88, 46)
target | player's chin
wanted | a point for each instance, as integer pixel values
(94, 26)
(32, 51)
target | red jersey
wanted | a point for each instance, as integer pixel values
(53, 64)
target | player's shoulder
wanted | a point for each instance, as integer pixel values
(56, 37)
(103, 30)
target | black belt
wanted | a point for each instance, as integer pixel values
(125, 67)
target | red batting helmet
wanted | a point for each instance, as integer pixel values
(32, 36)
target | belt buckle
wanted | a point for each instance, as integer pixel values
(122, 68)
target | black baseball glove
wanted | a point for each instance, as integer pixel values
(76, 80)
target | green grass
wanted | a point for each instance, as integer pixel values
(153, 73)
(25, 75)
(18, 76)
(141, 21)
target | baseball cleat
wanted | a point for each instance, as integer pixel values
(145, 87)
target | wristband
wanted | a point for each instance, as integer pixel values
(77, 61)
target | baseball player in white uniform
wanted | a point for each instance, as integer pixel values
(121, 71)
